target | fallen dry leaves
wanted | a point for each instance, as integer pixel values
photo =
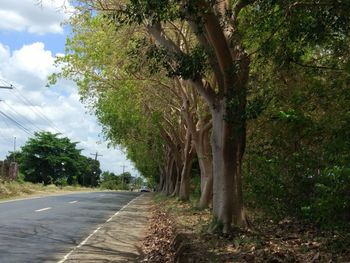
(157, 244)
(177, 233)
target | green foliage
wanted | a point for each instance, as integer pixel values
(123, 181)
(298, 148)
(189, 65)
(99, 58)
(88, 172)
(331, 198)
(48, 158)
(110, 181)
(61, 182)
(155, 11)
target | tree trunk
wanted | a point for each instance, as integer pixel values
(206, 168)
(223, 180)
(186, 169)
(170, 180)
(174, 179)
(239, 216)
(185, 179)
(228, 140)
(177, 184)
(206, 183)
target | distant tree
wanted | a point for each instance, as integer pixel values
(138, 182)
(89, 171)
(110, 181)
(126, 178)
(106, 175)
(49, 159)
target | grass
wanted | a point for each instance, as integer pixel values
(13, 189)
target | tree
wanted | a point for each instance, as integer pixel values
(47, 158)
(126, 179)
(110, 181)
(88, 171)
(219, 49)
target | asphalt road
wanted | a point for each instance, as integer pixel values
(45, 229)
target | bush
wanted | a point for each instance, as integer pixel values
(61, 182)
(110, 185)
(331, 201)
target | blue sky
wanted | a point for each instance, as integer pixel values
(31, 35)
(15, 40)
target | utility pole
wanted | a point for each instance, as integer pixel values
(14, 149)
(96, 155)
(123, 174)
(123, 167)
(14, 142)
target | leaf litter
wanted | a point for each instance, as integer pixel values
(178, 233)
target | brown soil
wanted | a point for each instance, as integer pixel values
(178, 233)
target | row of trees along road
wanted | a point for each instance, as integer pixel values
(183, 82)
(52, 159)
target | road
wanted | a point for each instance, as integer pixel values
(45, 229)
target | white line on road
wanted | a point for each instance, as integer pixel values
(43, 209)
(102, 195)
(95, 231)
(73, 202)
(45, 196)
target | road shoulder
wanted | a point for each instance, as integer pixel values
(119, 239)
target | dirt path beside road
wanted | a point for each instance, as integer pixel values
(119, 239)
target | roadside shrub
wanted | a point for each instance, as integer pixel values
(61, 182)
(110, 185)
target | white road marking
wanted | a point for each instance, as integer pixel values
(95, 231)
(43, 209)
(73, 202)
(45, 196)
(102, 195)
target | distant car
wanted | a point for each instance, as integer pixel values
(145, 189)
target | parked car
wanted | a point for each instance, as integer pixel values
(145, 189)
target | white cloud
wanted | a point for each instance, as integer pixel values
(27, 69)
(33, 59)
(4, 53)
(34, 16)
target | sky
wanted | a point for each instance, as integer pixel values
(31, 36)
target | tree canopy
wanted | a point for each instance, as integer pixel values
(253, 92)
(52, 159)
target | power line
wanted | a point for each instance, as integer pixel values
(16, 123)
(36, 110)
(32, 107)
(14, 117)
(21, 116)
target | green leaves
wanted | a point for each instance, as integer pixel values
(48, 158)
(152, 11)
(191, 65)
